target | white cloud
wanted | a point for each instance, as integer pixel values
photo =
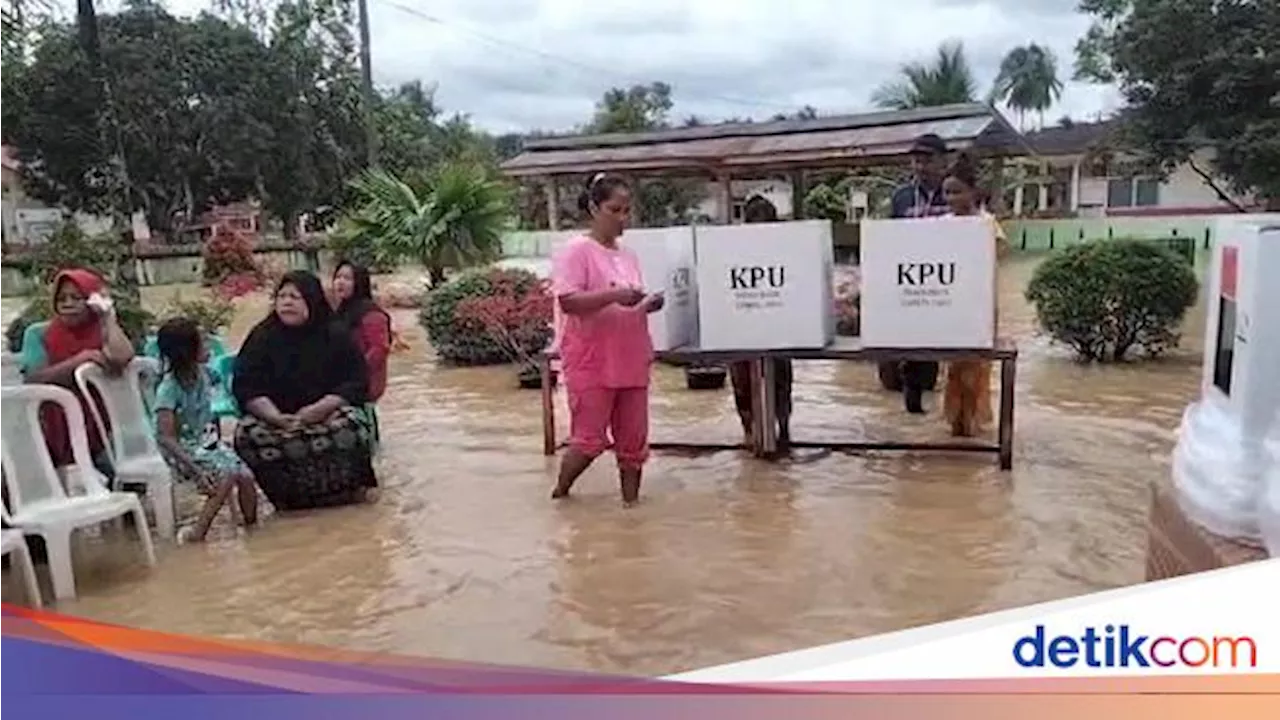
(542, 64)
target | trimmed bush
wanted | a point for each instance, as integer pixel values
(474, 318)
(1108, 297)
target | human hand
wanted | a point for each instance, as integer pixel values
(628, 296)
(97, 357)
(654, 302)
(101, 304)
(311, 414)
(285, 421)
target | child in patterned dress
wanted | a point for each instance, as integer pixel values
(188, 430)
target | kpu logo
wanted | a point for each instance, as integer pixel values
(755, 277)
(942, 273)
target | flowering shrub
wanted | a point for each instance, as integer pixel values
(236, 285)
(229, 252)
(488, 316)
(848, 310)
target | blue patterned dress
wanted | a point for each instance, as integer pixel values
(198, 433)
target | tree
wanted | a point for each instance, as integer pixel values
(178, 113)
(451, 218)
(318, 138)
(659, 202)
(947, 80)
(1028, 81)
(634, 109)
(1194, 74)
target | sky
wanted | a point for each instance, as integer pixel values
(520, 65)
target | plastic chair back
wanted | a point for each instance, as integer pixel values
(131, 435)
(224, 402)
(30, 477)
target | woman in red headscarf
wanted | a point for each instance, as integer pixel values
(80, 331)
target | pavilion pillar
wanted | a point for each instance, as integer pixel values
(798, 192)
(553, 202)
(725, 181)
(995, 200)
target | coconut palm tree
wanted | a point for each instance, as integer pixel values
(451, 218)
(1028, 81)
(945, 81)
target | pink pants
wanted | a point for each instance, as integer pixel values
(596, 413)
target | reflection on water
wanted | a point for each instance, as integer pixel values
(727, 558)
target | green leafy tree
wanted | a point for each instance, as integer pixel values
(947, 80)
(451, 218)
(181, 116)
(1028, 81)
(315, 112)
(641, 108)
(1194, 73)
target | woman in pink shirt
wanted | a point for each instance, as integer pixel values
(603, 337)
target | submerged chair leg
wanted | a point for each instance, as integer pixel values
(161, 495)
(22, 556)
(144, 535)
(61, 573)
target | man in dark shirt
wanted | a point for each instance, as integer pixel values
(922, 197)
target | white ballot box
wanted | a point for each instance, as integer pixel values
(765, 286)
(666, 264)
(928, 283)
(1222, 458)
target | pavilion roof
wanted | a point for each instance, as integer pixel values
(771, 146)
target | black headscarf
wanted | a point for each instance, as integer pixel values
(296, 366)
(351, 312)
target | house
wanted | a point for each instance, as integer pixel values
(1075, 173)
(28, 221)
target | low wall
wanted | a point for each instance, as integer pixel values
(1030, 235)
(1035, 235)
(174, 269)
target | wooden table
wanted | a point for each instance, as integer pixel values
(765, 431)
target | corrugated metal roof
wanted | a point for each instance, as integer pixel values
(821, 141)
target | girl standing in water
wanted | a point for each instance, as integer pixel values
(188, 430)
(605, 349)
(967, 398)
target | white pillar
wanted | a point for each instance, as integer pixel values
(1075, 185)
(1017, 200)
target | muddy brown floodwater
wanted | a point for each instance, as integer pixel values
(727, 558)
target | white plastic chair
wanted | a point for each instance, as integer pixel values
(16, 543)
(38, 502)
(131, 442)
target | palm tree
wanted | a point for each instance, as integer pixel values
(945, 81)
(451, 218)
(1028, 81)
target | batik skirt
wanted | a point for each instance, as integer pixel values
(321, 465)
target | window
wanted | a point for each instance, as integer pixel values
(1119, 192)
(1146, 192)
(1133, 192)
(1225, 347)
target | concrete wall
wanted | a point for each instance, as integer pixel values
(1049, 234)
(173, 270)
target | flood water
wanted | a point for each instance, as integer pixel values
(728, 557)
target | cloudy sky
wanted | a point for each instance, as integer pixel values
(541, 64)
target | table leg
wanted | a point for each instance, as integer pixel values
(1008, 377)
(548, 408)
(766, 403)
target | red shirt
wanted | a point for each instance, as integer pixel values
(373, 337)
